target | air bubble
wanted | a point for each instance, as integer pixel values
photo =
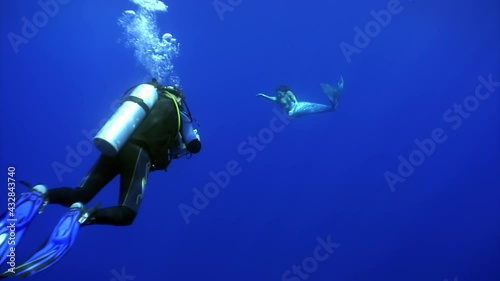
(167, 37)
(129, 13)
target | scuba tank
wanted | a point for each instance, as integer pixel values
(115, 133)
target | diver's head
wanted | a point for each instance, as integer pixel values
(181, 99)
(176, 91)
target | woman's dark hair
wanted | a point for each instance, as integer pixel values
(283, 89)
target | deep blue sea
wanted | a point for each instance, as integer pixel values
(401, 183)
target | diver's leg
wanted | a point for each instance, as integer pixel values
(134, 171)
(105, 169)
(307, 108)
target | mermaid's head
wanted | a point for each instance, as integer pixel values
(281, 90)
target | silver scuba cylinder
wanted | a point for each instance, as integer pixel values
(113, 135)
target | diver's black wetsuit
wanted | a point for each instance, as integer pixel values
(147, 150)
(133, 164)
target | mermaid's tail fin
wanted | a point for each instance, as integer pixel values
(334, 92)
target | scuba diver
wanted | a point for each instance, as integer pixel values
(152, 126)
(288, 102)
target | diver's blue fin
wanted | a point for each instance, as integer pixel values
(18, 217)
(58, 244)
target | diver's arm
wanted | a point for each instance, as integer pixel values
(292, 97)
(267, 97)
(189, 135)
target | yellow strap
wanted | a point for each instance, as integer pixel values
(178, 111)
